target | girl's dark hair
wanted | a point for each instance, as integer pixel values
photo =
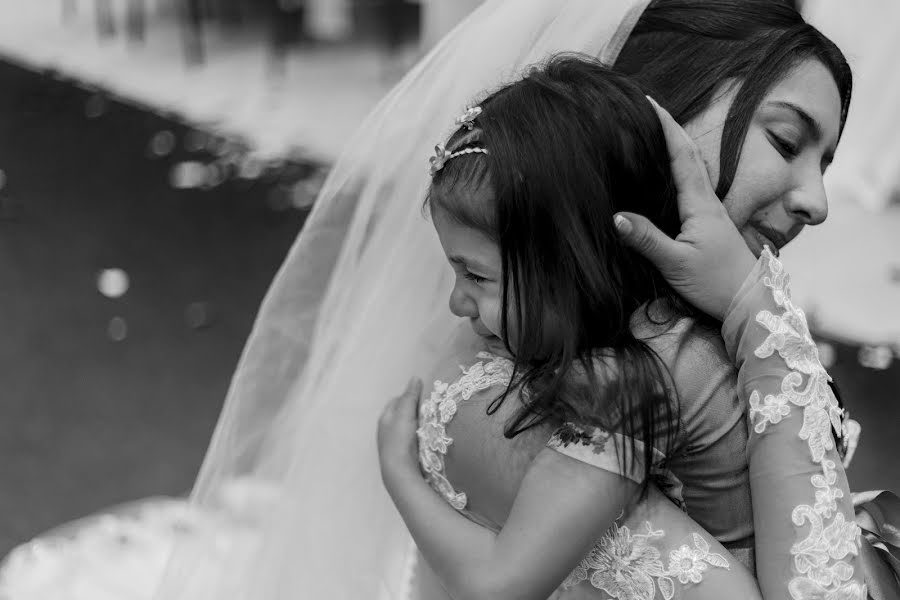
(570, 145)
(683, 51)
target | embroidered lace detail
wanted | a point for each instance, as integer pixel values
(819, 558)
(688, 563)
(438, 410)
(614, 452)
(627, 566)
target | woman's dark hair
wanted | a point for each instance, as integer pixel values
(570, 145)
(683, 51)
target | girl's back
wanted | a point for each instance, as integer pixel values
(710, 453)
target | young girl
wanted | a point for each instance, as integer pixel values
(523, 200)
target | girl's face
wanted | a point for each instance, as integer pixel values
(777, 189)
(476, 261)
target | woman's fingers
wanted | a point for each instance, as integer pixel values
(695, 193)
(644, 237)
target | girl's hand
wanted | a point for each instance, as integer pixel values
(398, 447)
(708, 261)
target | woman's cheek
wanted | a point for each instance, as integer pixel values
(758, 181)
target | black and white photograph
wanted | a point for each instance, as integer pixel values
(449, 300)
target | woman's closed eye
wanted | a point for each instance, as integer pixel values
(788, 148)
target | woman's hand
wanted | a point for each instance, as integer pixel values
(398, 447)
(708, 261)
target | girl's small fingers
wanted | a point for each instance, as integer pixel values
(413, 389)
(389, 409)
(408, 401)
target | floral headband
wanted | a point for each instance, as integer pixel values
(441, 156)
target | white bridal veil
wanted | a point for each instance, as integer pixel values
(358, 307)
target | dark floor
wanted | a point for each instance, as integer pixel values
(87, 422)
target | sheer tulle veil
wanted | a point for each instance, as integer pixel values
(359, 306)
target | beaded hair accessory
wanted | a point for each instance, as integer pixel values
(467, 119)
(441, 156)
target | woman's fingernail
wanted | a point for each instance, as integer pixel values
(652, 101)
(623, 225)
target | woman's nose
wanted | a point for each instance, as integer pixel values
(462, 304)
(809, 204)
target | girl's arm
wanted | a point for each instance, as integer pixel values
(563, 507)
(560, 528)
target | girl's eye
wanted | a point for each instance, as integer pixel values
(474, 278)
(786, 148)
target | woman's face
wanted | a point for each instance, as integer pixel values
(778, 188)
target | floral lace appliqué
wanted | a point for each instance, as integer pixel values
(438, 410)
(819, 558)
(568, 433)
(627, 566)
(613, 452)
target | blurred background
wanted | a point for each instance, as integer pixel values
(157, 159)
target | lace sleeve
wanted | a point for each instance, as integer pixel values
(807, 542)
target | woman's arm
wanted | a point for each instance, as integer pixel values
(807, 540)
(807, 544)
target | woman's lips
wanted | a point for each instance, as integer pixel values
(765, 236)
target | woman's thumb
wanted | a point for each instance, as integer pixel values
(639, 234)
